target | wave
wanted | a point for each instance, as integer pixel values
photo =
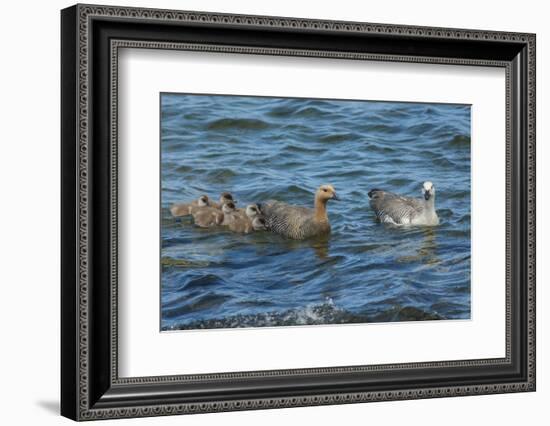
(444, 162)
(302, 149)
(182, 263)
(184, 169)
(220, 175)
(458, 233)
(460, 141)
(374, 148)
(324, 313)
(457, 195)
(465, 219)
(311, 112)
(394, 113)
(238, 123)
(399, 182)
(193, 116)
(338, 137)
(281, 112)
(419, 129)
(381, 128)
(207, 301)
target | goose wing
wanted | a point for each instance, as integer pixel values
(208, 216)
(183, 209)
(390, 207)
(284, 218)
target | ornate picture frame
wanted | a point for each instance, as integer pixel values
(91, 37)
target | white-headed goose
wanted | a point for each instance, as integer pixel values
(399, 210)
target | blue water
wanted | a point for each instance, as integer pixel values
(277, 148)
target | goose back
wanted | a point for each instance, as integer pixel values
(207, 217)
(241, 225)
(186, 209)
(179, 210)
(246, 225)
(400, 210)
(294, 222)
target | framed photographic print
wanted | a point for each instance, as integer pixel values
(263, 212)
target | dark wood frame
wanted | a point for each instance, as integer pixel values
(91, 37)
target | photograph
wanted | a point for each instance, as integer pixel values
(283, 211)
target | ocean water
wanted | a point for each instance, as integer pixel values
(279, 148)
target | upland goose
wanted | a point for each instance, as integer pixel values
(400, 210)
(298, 222)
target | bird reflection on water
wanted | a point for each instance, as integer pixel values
(426, 252)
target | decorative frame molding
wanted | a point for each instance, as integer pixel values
(87, 397)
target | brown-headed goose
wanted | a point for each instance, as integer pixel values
(399, 210)
(298, 222)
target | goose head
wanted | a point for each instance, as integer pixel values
(203, 201)
(228, 208)
(428, 190)
(325, 193)
(259, 224)
(252, 210)
(226, 197)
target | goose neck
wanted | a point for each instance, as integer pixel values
(320, 210)
(431, 203)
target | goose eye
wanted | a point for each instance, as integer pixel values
(324, 190)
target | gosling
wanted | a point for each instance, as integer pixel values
(298, 222)
(230, 213)
(186, 209)
(208, 217)
(247, 220)
(247, 225)
(250, 211)
(400, 210)
(225, 197)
